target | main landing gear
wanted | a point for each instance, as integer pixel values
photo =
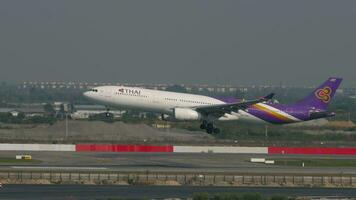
(209, 127)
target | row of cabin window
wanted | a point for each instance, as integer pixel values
(166, 98)
(181, 100)
(132, 95)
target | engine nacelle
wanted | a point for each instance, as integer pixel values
(186, 114)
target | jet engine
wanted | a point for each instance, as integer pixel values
(186, 114)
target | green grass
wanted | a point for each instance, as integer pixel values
(15, 161)
(316, 162)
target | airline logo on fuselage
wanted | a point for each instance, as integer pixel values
(324, 94)
(129, 91)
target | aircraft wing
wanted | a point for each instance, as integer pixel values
(221, 109)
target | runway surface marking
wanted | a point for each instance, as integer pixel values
(54, 192)
(60, 168)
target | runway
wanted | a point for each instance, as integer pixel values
(87, 192)
(181, 162)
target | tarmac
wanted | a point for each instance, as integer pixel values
(88, 192)
(162, 162)
(169, 162)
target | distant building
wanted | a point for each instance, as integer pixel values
(86, 111)
(27, 111)
(15, 113)
(350, 92)
(86, 114)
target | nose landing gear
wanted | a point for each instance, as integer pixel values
(107, 113)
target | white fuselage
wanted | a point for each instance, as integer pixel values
(156, 101)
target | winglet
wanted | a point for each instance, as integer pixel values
(268, 97)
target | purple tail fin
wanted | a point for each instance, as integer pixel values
(321, 97)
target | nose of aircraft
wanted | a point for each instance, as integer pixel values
(87, 94)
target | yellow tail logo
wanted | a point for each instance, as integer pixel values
(324, 94)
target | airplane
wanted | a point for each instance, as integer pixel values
(192, 107)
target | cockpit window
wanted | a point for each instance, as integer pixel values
(94, 90)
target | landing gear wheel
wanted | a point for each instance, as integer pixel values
(209, 128)
(216, 131)
(209, 131)
(202, 126)
(107, 113)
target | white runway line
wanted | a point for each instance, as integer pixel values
(37, 147)
(219, 149)
(59, 168)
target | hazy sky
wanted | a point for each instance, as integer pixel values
(298, 42)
